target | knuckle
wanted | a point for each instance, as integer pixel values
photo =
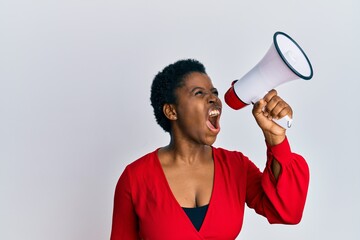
(282, 104)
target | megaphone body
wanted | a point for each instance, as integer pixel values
(285, 61)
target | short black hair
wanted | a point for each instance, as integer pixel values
(166, 82)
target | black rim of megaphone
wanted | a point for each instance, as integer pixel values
(286, 62)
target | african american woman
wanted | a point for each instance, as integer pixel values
(190, 189)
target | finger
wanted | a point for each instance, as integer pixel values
(285, 112)
(273, 105)
(280, 108)
(259, 106)
(272, 93)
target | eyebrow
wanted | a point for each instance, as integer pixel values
(201, 88)
(196, 88)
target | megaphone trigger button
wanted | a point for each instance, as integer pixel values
(289, 123)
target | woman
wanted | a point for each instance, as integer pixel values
(191, 190)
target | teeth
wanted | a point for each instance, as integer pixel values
(214, 113)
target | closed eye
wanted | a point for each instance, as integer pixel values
(215, 92)
(199, 93)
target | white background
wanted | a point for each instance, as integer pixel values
(75, 80)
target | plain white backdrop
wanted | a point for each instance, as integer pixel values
(75, 80)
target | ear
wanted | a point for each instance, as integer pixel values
(170, 111)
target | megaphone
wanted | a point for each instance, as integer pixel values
(285, 61)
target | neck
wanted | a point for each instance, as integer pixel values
(186, 152)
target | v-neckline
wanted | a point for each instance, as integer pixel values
(174, 200)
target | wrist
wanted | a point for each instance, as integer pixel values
(274, 139)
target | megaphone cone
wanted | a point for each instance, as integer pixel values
(284, 61)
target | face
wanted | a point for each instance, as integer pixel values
(198, 109)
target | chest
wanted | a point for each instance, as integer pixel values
(191, 186)
(159, 211)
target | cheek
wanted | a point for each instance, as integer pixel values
(220, 102)
(191, 114)
(195, 118)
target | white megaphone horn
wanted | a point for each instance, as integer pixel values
(285, 61)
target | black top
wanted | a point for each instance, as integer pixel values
(196, 215)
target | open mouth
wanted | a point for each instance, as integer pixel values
(213, 120)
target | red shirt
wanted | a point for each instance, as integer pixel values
(145, 208)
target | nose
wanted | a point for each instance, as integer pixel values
(213, 98)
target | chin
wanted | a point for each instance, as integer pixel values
(210, 140)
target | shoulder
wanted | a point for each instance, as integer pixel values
(140, 171)
(229, 157)
(219, 151)
(137, 177)
(144, 163)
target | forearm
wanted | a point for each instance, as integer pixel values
(276, 168)
(273, 140)
(285, 181)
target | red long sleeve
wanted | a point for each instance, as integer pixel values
(125, 224)
(145, 208)
(282, 200)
